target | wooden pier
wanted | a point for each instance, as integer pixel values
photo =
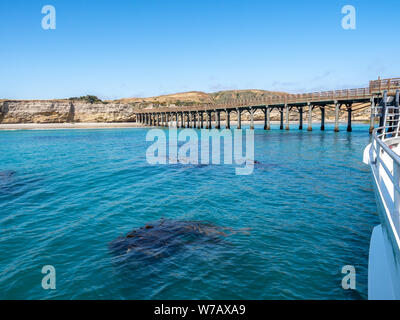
(201, 116)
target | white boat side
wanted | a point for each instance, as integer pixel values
(383, 156)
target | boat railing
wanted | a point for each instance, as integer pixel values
(387, 164)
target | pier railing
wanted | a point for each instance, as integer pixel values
(390, 85)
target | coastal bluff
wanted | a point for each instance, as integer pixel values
(63, 111)
(90, 109)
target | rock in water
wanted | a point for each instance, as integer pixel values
(6, 176)
(165, 237)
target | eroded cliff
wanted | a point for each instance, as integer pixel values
(64, 111)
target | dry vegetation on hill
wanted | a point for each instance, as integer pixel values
(193, 98)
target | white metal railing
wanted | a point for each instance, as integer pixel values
(387, 165)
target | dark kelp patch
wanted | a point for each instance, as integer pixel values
(164, 238)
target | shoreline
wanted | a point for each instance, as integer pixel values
(122, 125)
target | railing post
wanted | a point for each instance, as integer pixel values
(396, 104)
(396, 196)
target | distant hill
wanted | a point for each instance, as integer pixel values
(193, 98)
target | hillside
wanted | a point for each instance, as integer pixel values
(196, 97)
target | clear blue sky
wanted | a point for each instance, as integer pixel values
(128, 48)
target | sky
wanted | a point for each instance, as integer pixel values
(140, 48)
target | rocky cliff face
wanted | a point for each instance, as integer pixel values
(64, 111)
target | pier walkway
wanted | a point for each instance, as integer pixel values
(200, 116)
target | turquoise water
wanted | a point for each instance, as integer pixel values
(66, 194)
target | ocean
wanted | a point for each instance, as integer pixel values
(283, 232)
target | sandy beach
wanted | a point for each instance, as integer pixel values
(110, 125)
(53, 126)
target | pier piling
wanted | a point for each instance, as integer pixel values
(337, 109)
(228, 119)
(182, 120)
(383, 106)
(281, 112)
(310, 107)
(239, 114)
(301, 118)
(322, 118)
(265, 118)
(349, 112)
(251, 119)
(218, 116)
(372, 117)
(287, 117)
